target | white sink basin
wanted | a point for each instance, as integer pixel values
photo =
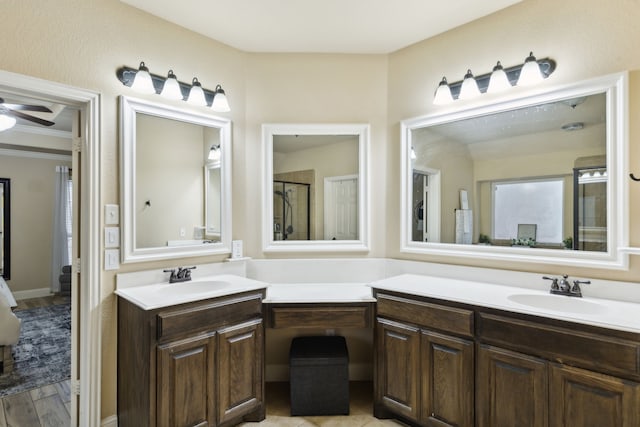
(559, 303)
(192, 288)
(152, 296)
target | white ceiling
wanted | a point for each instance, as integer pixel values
(320, 26)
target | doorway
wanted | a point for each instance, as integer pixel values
(341, 207)
(85, 298)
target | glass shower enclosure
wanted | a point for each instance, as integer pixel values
(291, 211)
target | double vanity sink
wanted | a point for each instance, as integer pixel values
(447, 351)
(592, 311)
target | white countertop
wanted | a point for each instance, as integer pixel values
(152, 296)
(318, 293)
(597, 312)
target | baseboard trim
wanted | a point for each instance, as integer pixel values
(31, 293)
(111, 421)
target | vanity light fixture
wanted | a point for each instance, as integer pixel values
(170, 87)
(142, 80)
(498, 82)
(413, 154)
(196, 94)
(530, 72)
(469, 88)
(214, 153)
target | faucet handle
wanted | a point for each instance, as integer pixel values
(554, 282)
(575, 289)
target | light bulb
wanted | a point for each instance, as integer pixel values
(469, 88)
(443, 93)
(142, 81)
(498, 82)
(220, 102)
(196, 94)
(171, 88)
(530, 73)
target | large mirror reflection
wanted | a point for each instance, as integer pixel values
(175, 182)
(317, 182)
(536, 176)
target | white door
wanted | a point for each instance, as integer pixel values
(341, 208)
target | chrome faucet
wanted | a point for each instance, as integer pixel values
(562, 286)
(182, 274)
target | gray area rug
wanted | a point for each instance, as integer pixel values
(43, 353)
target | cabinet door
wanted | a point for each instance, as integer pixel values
(240, 370)
(185, 382)
(582, 398)
(511, 389)
(398, 367)
(447, 380)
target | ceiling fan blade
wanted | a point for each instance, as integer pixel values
(24, 107)
(38, 120)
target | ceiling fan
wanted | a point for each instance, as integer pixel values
(10, 112)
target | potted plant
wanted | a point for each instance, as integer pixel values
(524, 242)
(568, 243)
(483, 239)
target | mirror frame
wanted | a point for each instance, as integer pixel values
(362, 131)
(616, 88)
(129, 107)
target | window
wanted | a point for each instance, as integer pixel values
(68, 216)
(534, 202)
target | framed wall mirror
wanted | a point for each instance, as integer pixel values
(5, 228)
(315, 195)
(176, 182)
(536, 179)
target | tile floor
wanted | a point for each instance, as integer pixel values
(360, 410)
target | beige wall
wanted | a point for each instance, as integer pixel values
(32, 194)
(83, 42)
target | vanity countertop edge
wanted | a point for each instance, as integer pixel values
(618, 315)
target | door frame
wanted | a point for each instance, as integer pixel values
(88, 387)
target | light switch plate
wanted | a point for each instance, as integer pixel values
(112, 237)
(111, 214)
(112, 259)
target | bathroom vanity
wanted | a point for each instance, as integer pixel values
(446, 352)
(441, 362)
(198, 363)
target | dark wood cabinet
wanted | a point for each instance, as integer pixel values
(446, 380)
(398, 366)
(424, 374)
(581, 398)
(185, 378)
(240, 371)
(475, 366)
(196, 364)
(511, 389)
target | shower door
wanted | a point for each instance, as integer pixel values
(291, 211)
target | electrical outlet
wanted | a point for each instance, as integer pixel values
(111, 237)
(183, 232)
(112, 259)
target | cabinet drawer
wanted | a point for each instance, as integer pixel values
(320, 317)
(209, 315)
(594, 351)
(433, 316)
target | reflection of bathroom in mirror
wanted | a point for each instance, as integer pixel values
(315, 187)
(535, 175)
(175, 182)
